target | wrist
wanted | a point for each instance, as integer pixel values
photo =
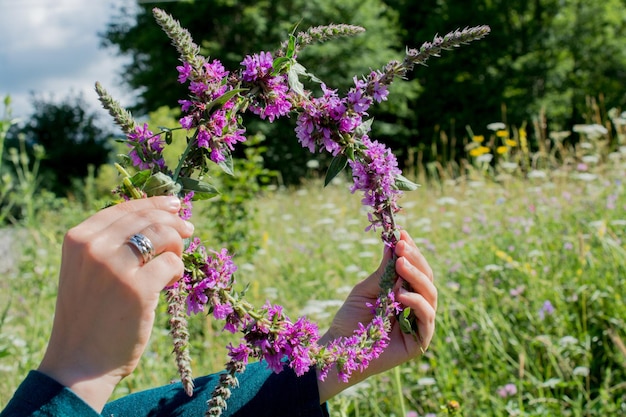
(94, 390)
(332, 385)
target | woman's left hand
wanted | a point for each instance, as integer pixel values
(412, 268)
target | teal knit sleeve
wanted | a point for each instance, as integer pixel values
(41, 396)
(261, 393)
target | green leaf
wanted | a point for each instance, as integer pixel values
(161, 184)
(350, 152)
(403, 320)
(301, 70)
(337, 165)
(202, 190)
(124, 159)
(291, 45)
(279, 65)
(227, 165)
(405, 184)
(294, 82)
(140, 178)
(221, 100)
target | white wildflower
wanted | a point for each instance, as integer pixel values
(581, 371)
(426, 381)
(447, 201)
(496, 126)
(585, 176)
(313, 164)
(493, 268)
(591, 159)
(535, 173)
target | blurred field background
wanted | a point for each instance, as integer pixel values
(531, 274)
(518, 141)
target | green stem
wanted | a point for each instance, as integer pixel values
(183, 157)
(134, 192)
(398, 386)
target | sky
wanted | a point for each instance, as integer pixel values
(51, 48)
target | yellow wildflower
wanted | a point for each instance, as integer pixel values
(502, 133)
(481, 150)
(504, 256)
(478, 138)
(502, 149)
(510, 143)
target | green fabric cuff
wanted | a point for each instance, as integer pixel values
(39, 395)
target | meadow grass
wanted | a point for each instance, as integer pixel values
(531, 274)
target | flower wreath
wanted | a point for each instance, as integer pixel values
(269, 86)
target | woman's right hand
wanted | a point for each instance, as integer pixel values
(107, 296)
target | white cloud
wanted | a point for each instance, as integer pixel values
(52, 48)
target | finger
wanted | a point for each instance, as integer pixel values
(424, 311)
(165, 231)
(137, 221)
(104, 218)
(411, 252)
(162, 238)
(162, 271)
(418, 281)
(405, 236)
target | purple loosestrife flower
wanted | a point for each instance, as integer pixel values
(186, 207)
(239, 353)
(272, 100)
(204, 280)
(196, 297)
(257, 66)
(353, 353)
(316, 125)
(219, 130)
(375, 175)
(146, 148)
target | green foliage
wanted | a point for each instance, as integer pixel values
(540, 64)
(233, 214)
(7, 181)
(20, 177)
(499, 252)
(71, 140)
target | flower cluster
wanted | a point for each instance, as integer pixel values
(216, 129)
(271, 95)
(147, 148)
(330, 122)
(267, 85)
(375, 176)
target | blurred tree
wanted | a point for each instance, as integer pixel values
(542, 56)
(71, 139)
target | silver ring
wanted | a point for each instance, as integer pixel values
(143, 245)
